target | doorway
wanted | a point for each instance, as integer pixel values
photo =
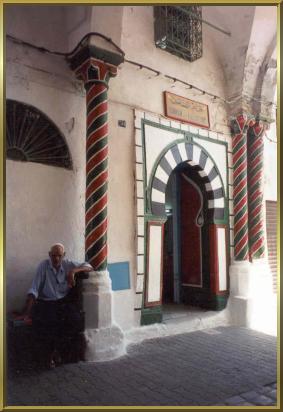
(186, 243)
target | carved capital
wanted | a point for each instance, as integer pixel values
(93, 64)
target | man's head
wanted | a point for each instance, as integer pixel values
(57, 253)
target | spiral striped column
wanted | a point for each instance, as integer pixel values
(255, 190)
(240, 192)
(95, 75)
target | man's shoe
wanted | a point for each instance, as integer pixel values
(57, 357)
(51, 364)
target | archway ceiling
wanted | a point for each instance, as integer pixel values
(248, 56)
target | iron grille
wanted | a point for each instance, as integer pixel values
(32, 137)
(178, 30)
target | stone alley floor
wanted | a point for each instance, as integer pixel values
(229, 366)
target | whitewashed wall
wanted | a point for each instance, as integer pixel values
(46, 204)
(270, 164)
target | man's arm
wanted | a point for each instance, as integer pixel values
(33, 292)
(85, 267)
(26, 312)
(29, 304)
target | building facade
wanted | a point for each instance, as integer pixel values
(141, 137)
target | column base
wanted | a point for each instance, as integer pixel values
(104, 344)
(252, 303)
(104, 340)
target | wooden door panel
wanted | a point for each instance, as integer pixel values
(191, 259)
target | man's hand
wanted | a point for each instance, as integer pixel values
(71, 278)
(26, 318)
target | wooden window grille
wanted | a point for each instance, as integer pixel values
(32, 137)
(178, 30)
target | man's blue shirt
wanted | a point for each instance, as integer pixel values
(49, 284)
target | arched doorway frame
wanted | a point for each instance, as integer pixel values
(195, 155)
(177, 152)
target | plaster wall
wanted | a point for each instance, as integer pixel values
(231, 50)
(29, 23)
(270, 164)
(131, 28)
(142, 89)
(45, 204)
(54, 198)
(261, 47)
(121, 208)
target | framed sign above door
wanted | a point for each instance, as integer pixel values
(186, 110)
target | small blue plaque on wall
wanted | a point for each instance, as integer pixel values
(120, 275)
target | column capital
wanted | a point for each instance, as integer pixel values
(94, 64)
(244, 121)
(257, 129)
(241, 122)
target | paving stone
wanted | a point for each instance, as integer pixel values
(188, 369)
(235, 400)
(272, 394)
(251, 395)
(262, 400)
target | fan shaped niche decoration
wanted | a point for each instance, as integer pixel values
(32, 137)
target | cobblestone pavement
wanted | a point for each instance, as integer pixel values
(228, 366)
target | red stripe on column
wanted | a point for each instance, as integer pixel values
(99, 110)
(256, 178)
(242, 244)
(256, 229)
(240, 223)
(93, 92)
(96, 159)
(239, 153)
(97, 135)
(241, 204)
(100, 257)
(239, 188)
(96, 233)
(257, 244)
(96, 208)
(95, 184)
(239, 170)
(255, 195)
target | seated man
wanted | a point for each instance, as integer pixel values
(54, 315)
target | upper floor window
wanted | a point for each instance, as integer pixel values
(178, 30)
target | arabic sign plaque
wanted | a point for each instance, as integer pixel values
(186, 110)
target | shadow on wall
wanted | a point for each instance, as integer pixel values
(43, 206)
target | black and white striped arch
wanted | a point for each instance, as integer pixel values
(197, 158)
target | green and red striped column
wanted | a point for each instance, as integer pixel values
(240, 190)
(95, 74)
(255, 190)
